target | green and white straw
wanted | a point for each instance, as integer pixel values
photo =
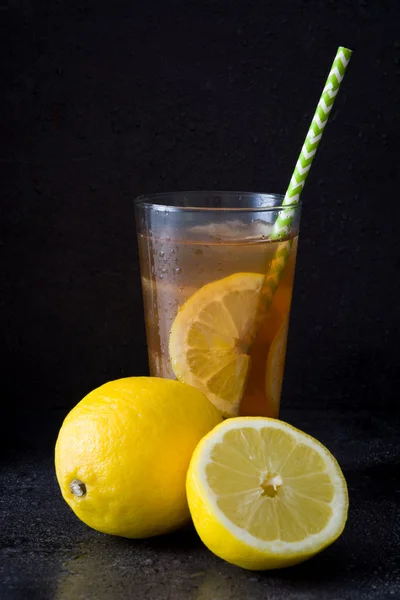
(302, 169)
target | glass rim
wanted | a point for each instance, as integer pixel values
(152, 201)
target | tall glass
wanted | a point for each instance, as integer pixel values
(204, 260)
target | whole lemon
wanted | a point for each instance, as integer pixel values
(123, 452)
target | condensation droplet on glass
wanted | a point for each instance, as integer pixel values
(178, 270)
(162, 254)
(161, 276)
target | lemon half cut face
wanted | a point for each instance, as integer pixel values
(264, 495)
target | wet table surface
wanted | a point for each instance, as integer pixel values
(45, 552)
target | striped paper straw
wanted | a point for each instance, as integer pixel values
(285, 218)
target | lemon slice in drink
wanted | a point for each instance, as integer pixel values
(265, 495)
(211, 335)
(276, 366)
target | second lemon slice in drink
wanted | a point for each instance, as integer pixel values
(211, 335)
(275, 366)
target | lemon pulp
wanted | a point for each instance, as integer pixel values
(263, 494)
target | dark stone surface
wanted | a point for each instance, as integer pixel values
(47, 553)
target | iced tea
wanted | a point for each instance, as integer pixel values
(177, 262)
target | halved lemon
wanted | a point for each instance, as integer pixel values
(265, 495)
(211, 335)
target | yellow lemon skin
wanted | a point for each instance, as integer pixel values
(123, 452)
(218, 534)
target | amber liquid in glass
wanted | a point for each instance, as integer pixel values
(176, 269)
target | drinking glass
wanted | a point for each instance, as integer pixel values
(211, 320)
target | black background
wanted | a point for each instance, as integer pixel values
(102, 101)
